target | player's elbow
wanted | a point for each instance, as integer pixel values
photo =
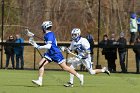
(49, 46)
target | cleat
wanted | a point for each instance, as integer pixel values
(82, 79)
(106, 71)
(68, 84)
(37, 82)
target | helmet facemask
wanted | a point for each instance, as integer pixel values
(44, 30)
(75, 34)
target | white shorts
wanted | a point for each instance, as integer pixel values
(76, 62)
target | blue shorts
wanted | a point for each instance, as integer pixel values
(57, 57)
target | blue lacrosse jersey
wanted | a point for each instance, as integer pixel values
(54, 53)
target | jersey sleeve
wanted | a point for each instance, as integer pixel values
(71, 46)
(49, 38)
(86, 44)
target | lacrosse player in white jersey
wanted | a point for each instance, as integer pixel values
(82, 46)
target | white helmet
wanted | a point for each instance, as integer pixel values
(75, 33)
(46, 24)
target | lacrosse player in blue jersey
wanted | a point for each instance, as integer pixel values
(82, 46)
(53, 53)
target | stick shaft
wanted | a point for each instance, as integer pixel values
(39, 52)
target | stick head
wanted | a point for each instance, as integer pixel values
(28, 33)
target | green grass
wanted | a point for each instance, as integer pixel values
(19, 81)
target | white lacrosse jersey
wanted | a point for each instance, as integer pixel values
(81, 46)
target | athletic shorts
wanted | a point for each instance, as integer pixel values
(57, 57)
(76, 62)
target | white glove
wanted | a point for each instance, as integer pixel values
(31, 39)
(68, 50)
(63, 48)
(32, 42)
(79, 56)
(36, 46)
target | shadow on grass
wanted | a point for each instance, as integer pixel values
(35, 86)
(21, 85)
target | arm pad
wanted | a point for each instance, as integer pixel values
(48, 46)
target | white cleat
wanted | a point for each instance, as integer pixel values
(82, 79)
(106, 71)
(37, 82)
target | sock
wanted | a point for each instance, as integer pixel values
(103, 70)
(92, 72)
(71, 78)
(78, 75)
(40, 79)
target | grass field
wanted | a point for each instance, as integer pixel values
(19, 81)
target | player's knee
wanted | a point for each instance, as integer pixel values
(65, 68)
(42, 68)
(72, 67)
(43, 63)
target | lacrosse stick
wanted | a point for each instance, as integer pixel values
(62, 48)
(30, 34)
(31, 40)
